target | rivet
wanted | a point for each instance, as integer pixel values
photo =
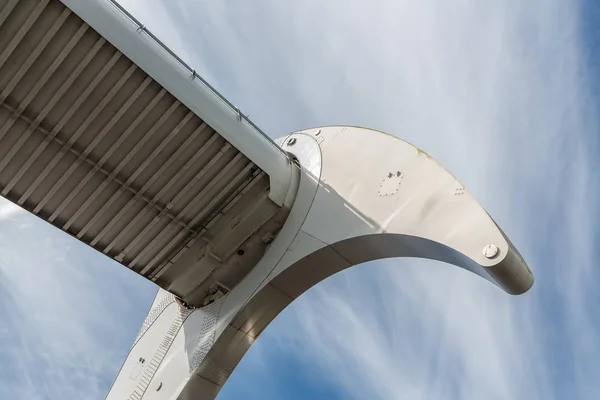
(490, 251)
(291, 141)
(318, 132)
(159, 386)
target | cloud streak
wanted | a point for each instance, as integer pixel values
(8, 210)
(64, 308)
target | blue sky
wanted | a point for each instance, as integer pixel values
(504, 93)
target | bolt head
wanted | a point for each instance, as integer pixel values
(291, 141)
(490, 251)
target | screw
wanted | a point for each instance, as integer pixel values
(291, 141)
(490, 251)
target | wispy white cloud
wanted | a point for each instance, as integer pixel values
(8, 209)
(64, 308)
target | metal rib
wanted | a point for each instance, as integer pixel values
(163, 168)
(165, 188)
(90, 147)
(59, 93)
(65, 118)
(121, 165)
(23, 69)
(218, 214)
(22, 32)
(197, 78)
(56, 63)
(35, 54)
(177, 197)
(234, 182)
(103, 171)
(137, 172)
(238, 194)
(80, 131)
(32, 93)
(192, 203)
(204, 192)
(7, 10)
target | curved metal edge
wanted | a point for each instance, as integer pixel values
(338, 221)
(316, 253)
(428, 202)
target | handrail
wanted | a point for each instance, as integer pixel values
(142, 28)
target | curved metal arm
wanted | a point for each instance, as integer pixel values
(362, 195)
(381, 197)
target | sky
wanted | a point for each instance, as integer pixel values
(504, 93)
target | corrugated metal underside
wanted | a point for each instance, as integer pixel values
(92, 144)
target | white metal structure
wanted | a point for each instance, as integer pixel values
(110, 137)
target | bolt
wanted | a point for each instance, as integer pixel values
(317, 133)
(291, 141)
(490, 251)
(159, 386)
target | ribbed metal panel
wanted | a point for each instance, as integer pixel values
(92, 144)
